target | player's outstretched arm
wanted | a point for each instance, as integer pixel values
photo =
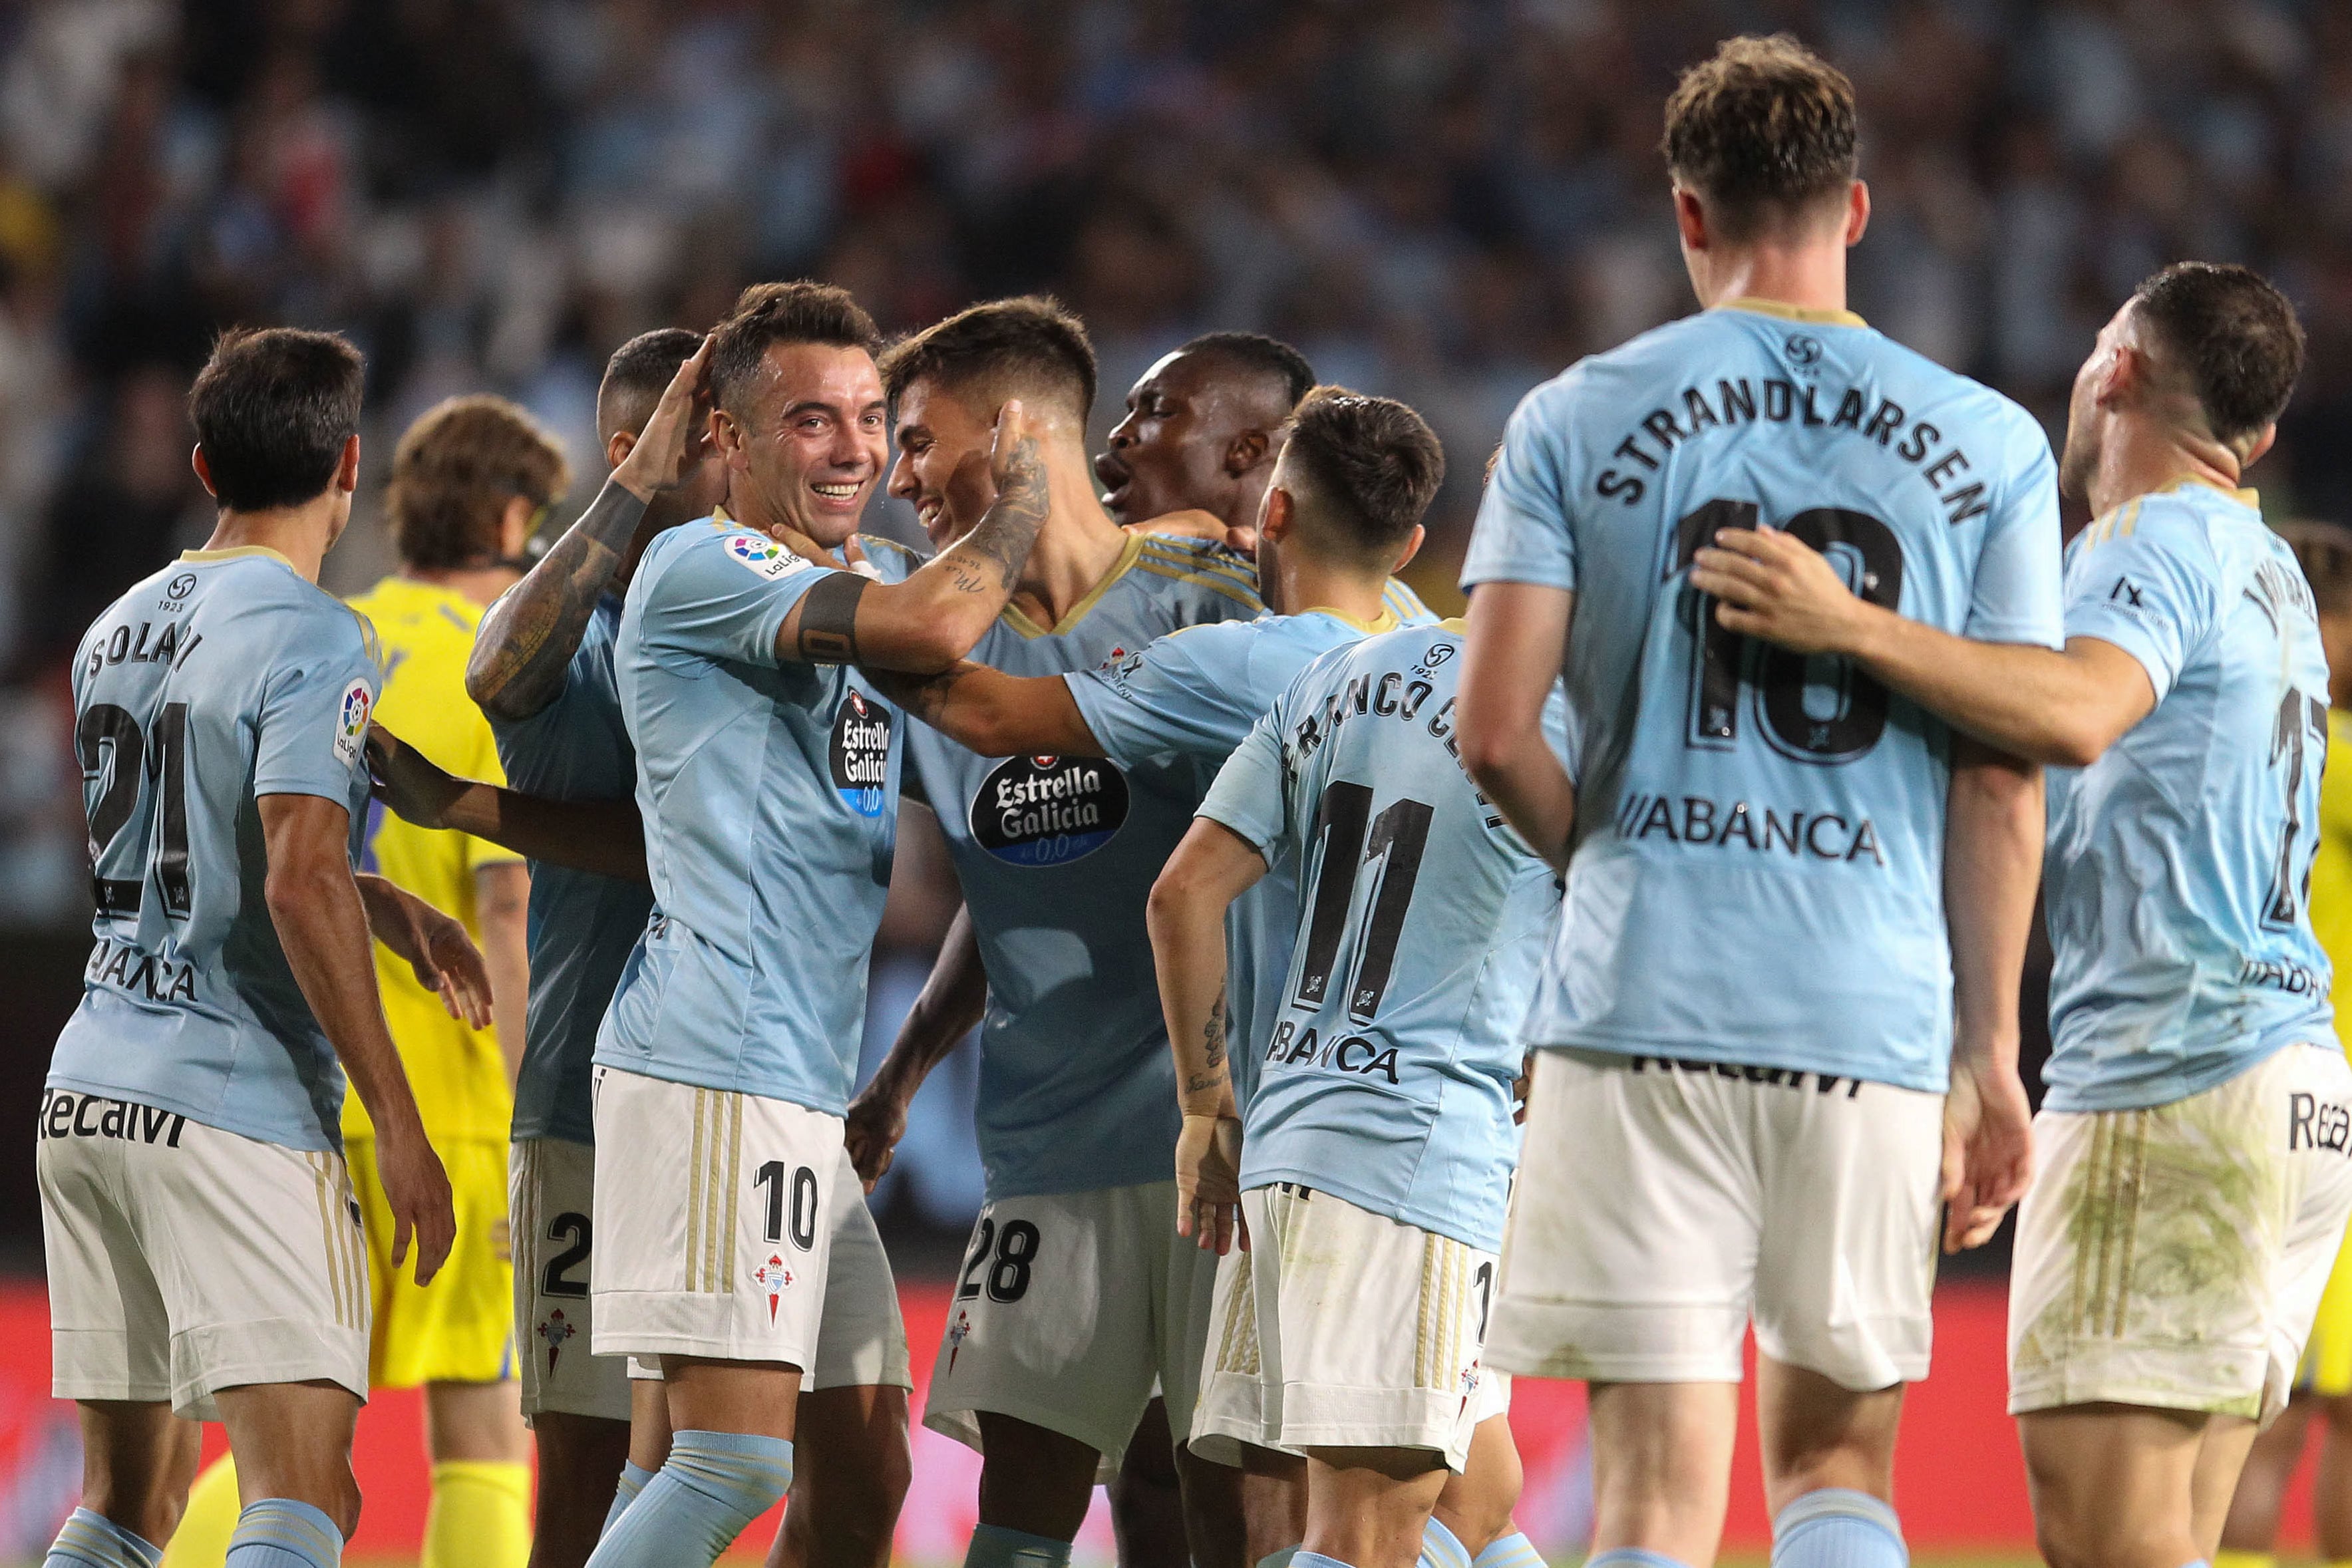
(952, 1002)
(1518, 639)
(437, 945)
(2063, 708)
(933, 618)
(1992, 865)
(606, 837)
(994, 714)
(502, 914)
(529, 636)
(322, 924)
(1211, 866)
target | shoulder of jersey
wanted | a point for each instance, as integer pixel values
(1200, 563)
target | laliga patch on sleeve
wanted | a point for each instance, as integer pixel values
(764, 557)
(351, 727)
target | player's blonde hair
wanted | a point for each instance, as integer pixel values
(453, 473)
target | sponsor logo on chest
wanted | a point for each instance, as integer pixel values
(860, 752)
(1048, 810)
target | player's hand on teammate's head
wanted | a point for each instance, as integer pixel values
(870, 1130)
(418, 1190)
(1208, 1185)
(1778, 588)
(671, 447)
(1988, 1152)
(409, 784)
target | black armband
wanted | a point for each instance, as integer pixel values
(829, 618)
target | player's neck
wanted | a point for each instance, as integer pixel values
(1809, 276)
(301, 534)
(1300, 586)
(2140, 458)
(479, 584)
(1078, 545)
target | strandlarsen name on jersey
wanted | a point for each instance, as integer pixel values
(1790, 403)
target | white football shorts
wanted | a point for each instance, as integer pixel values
(713, 1214)
(1342, 1328)
(2174, 1256)
(1067, 1307)
(183, 1259)
(1662, 1205)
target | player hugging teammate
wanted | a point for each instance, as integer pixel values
(1706, 843)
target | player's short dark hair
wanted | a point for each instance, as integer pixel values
(1372, 465)
(272, 409)
(1269, 357)
(2323, 550)
(1764, 129)
(637, 375)
(1031, 347)
(2233, 334)
(454, 472)
(767, 314)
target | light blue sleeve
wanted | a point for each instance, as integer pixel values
(1184, 693)
(2147, 588)
(726, 596)
(2017, 593)
(1248, 796)
(312, 728)
(1523, 533)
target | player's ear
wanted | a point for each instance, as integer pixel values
(725, 433)
(2260, 444)
(347, 470)
(1857, 213)
(618, 448)
(1246, 451)
(1411, 549)
(1690, 218)
(204, 471)
(1276, 514)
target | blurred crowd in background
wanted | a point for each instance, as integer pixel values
(1441, 200)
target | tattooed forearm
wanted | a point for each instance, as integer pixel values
(528, 638)
(925, 696)
(1000, 543)
(1213, 1033)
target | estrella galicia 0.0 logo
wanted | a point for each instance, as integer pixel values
(1048, 810)
(861, 753)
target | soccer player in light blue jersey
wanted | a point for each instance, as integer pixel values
(1796, 905)
(204, 1246)
(1376, 1153)
(1075, 1296)
(2193, 1145)
(768, 780)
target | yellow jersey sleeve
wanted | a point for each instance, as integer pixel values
(2331, 867)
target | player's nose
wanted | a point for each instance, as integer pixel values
(902, 477)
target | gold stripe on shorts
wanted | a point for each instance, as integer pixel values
(2108, 1222)
(694, 1189)
(1237, 1350)
(333, 1243)
(724, 1255)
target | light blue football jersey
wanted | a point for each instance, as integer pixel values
(582, 926)
(770, 791)
(1386, 1076)
(224, 677)
(2178, 873)
(1759, 863)
(1198, 693)
(1057, 856)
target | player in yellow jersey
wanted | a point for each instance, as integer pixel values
(2324, 1386)
(470, 480)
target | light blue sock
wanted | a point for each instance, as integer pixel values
(1632, 1557)
(712, 1485)
(634, 1477)
(1278, 1559)
(1512, 1550)
(1302, 1558)
(93, 1541)
(1837, 1527)
(1441, 1548)
(279, 1533)
(993, 1546)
